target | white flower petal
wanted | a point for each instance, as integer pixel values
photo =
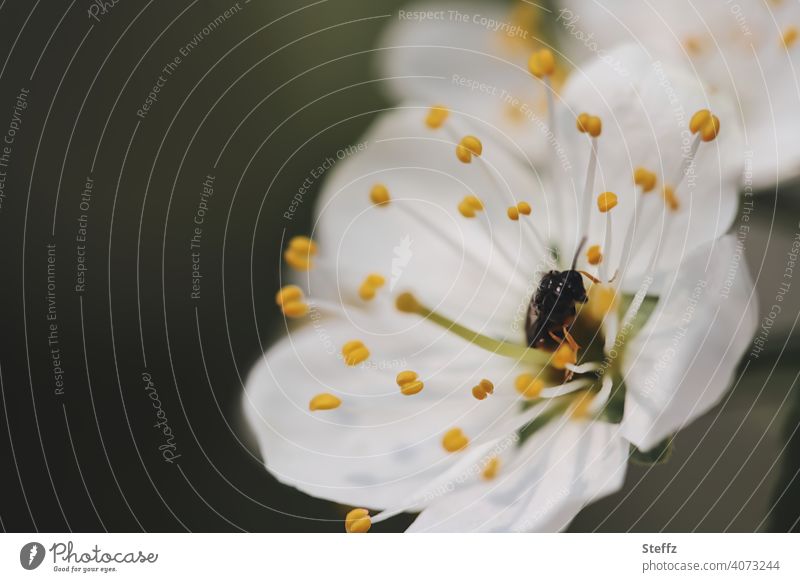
(379, 447)
(540, 487)
(683, 360)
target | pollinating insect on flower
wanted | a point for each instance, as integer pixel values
(542, 326)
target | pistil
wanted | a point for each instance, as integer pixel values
(407, 303)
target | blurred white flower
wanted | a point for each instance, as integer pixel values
(748, 49)
(448, 398)
(473, 57)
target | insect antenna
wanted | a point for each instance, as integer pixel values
(578, 252)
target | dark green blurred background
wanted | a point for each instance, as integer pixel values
(272, 92)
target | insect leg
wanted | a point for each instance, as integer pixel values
(589, 276)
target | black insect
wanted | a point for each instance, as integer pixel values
(552, 309)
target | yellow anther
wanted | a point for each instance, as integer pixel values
(298, 254)
(469, 206)
(407, 303)
(357, 521)
(406, 376)
(602, 299)
(466, 210)
(375, 280)
(528, 386)
(590, 124)
(379, 194)
(454, 440)
(514, 212)
(474, 201)
(581, 404)
(324, 401)
(366, 292)
(370, 286)
(542, 63)
(644, 178)
(705, 123)
(606, 201)
(354, 352)
(290, 300)
(437, 115)
(294, 309)
(491, 468)
(288, 294)
(789, 36)
(670, 199)
(483, 389)
(468, 146)
(563, 356)
(303, 244)
(409, 382)
(593, 255)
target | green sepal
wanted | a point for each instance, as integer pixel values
(658, 455)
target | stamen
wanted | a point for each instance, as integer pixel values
(706, 127)
(646, 180)
(542, 63)
(592, 126)
(606, 201)
(468, 146)
(379, 194)
(437, 115)
(324, 401)
(669, 198)
(705, 124)
(370, 286)
(357, 521)
(354, 352)
(593, 255)
(521, 208)
(483, 389)
(610, 202)
(298, 254)
(454, 440)
(528, 386)
(290, 300)
(491, 468)
(469, 206)
(409, 382)
(407, 303)
(790, 36)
